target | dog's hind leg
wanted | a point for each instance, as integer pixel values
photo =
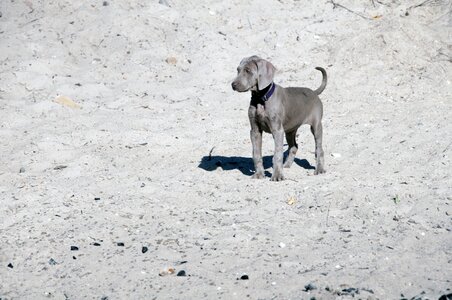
(317, 131)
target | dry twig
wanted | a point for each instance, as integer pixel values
(349, 10)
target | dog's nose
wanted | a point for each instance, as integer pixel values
(234, 85)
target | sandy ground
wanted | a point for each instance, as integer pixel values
(154, 151)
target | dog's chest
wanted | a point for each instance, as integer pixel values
(260, 112)
(262, 117)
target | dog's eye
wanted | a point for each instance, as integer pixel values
(247, 71)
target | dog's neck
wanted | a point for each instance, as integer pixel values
(264, 94)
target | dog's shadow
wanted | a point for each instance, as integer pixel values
(243, 164)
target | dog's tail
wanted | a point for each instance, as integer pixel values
(324, 80)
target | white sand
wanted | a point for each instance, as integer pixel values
(153, 86)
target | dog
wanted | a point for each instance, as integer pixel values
(278, 110)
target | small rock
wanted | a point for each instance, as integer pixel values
(120, 244)
(171, 60)
(10, 265)
(143, 184)
(22, 170)
(73, 257)
(66, 101)
(309, 287)
(96, 198)
(74, 248)
(167, 271)
(60, 167)
(292, 200)
(350, 291)
(104, 298)
(282, 245)
(244, 277)
(52, 262)
(181, 262)
(181, 273)
(105, 3)
(95, 244)
(446, 297)
(144, 249)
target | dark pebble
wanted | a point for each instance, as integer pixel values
(95, 244)
(97, 198)
(144, 249)
(181, 273)
(78, 84)
(73, 257)
(244, 277)
(446, 297)
(350, 291)
(309, 287)
(105, 3)
(52, 262)
(10, 265)
(22, 170)
(74, 248)
(120, 244)
(104, 298)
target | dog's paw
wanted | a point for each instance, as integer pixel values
(319, 171)
(277, 177)
(258, 176)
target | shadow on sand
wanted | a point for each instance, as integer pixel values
(243, 164)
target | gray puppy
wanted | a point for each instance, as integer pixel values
(279, 110)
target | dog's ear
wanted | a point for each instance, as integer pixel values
(265, 73)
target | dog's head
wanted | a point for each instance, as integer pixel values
(253, 74)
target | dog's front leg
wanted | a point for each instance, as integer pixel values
(278, 136)
(256, 141)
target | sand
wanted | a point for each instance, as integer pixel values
(119, 130)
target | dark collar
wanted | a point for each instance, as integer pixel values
(265, 94)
